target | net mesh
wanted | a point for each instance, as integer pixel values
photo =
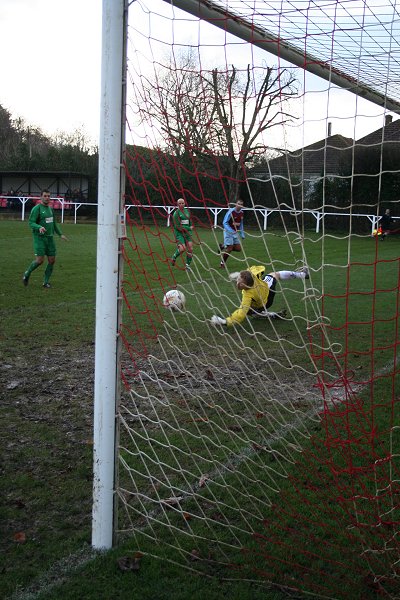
(266, 451)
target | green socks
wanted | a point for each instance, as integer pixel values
(48, 272)
(189, 257)
(34, 265)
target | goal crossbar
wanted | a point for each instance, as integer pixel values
(260, 37)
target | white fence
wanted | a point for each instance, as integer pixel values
(60, 205)
(262, 213)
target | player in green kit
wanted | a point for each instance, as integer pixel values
(43, 224)
(183, 233)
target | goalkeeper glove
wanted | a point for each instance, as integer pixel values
(234, 276)
(271, 315)
(217, 320)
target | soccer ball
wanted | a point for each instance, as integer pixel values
(174, 300)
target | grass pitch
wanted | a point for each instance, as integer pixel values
(47, 349)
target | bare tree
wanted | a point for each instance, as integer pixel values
(19, 141)
(77, 139)
(8, 136)
(246, 109)
(175, 101)
(218, 113)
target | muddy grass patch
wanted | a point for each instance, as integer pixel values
(46, 472)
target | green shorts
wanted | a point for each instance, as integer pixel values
(44, 245)
(183, 238)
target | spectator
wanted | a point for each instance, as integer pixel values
(385, 223)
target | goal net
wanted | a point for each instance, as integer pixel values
(262, 449)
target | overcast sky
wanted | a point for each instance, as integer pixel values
(51, 63)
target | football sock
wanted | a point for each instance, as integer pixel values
(48, 272)
(34, 265)
(176, 254)
(225, 256)
(189, 258)
(292, 275)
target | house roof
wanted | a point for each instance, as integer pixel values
(325, 156)
(316, 159)
(42, 174)
(388, 133)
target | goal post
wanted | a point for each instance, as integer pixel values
(109, 270)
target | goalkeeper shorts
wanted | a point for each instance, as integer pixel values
(271, 282)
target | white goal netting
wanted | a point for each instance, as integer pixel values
(268, 449)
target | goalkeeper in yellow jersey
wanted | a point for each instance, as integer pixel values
(258, 292)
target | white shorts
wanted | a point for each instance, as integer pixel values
(269, 280)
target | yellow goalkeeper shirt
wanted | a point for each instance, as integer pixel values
(256, 297)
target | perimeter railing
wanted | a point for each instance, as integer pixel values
(23, 205)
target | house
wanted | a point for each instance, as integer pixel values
(323, 158)
(389, 134)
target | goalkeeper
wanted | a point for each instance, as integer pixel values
(258, 292)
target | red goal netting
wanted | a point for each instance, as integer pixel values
(266, 452)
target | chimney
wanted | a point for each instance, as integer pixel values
(329, 129)
(388, 119)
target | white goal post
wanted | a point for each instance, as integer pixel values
(109, 266)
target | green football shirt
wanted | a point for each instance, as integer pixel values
(43, 216)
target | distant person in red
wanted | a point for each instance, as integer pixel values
(233, 227)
